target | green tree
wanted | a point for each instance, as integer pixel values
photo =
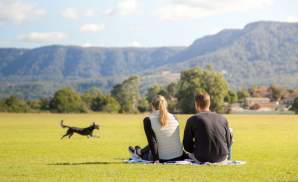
(197, 80)
(127, 94)
(35, 104)
(169, 92)
(45, 104)
(90, 95)
(231, 97)
(2, 105)
(105, 104)
(172, 89)
(67, 100)
(111, 104)
(15, 104)
(152, 92)
(143, 105)
(294, 106)
(242, 94)
(277, 92)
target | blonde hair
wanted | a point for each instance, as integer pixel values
(160, 103)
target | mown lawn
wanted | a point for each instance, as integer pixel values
(31, 150)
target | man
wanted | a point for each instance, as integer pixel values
(207, 135)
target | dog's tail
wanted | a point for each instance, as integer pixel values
(62, 125)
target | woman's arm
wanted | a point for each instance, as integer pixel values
(151, 138)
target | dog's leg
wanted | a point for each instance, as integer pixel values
(64, 136)
(70, 135)
(68, 132)
(94, 136)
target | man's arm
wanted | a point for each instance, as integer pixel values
(188, 142)
(151, 138)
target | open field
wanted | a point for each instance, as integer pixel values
(31, 150)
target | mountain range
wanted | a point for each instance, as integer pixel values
(262, 53)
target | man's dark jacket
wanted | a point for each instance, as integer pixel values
(207, 135)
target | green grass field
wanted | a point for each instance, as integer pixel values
(31, 150)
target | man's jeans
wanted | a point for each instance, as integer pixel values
(230, 153)
(230, 148)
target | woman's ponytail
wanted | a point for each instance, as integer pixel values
(160, 103)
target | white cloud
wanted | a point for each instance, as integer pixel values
(123, 8)
(92, 28)
(18, 11)
(87, 44)
(135, 28)
(38, 37)
(90, 13)
(135, 44)
(292, 19)
(72, 13)
(187, 9)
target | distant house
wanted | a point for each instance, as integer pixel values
(261, 92)
(289, 99)
(268, 106)
(236, 108)
(250, 101)
(260, 104)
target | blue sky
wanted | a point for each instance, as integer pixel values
(121, 23)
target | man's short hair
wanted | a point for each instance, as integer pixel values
(202, 100)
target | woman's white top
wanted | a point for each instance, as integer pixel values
(168, 138)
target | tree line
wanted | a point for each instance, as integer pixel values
(126, 98)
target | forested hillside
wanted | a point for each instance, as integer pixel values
(262, 53)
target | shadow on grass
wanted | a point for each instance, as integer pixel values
(84, 163)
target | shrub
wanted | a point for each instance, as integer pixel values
(66, 101)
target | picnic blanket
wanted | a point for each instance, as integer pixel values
(187, 162)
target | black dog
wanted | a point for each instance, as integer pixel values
(82, 131)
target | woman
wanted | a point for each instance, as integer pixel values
(162, 132)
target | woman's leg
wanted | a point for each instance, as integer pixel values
(145, 153)
(151, 150)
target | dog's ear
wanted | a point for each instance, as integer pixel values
(93, 123)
